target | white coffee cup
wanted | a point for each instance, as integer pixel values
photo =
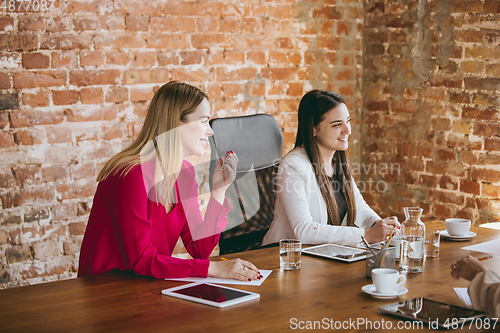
(386, 279)
(457, 227)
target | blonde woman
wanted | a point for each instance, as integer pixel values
(317, 200)
(147, 197)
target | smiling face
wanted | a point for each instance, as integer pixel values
(196, 130)
(332, 133)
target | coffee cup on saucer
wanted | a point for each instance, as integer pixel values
(387, 279)
(457, 227)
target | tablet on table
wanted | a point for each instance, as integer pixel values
(210, 294)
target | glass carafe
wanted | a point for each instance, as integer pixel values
(412, 241)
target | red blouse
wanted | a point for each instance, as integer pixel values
(128, 231)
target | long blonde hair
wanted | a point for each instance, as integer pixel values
(159, 137)
(312, 109)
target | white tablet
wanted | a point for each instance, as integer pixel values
(210, 294)
(337, 252)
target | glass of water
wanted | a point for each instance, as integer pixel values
(290, 251)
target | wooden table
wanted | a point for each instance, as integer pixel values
(123, 302)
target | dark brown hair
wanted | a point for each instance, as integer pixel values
(312, 110)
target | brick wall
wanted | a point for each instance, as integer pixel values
(431, 105)
(75, 80)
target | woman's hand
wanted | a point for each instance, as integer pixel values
(224, 175)
(382, 229)
(467, 268)
(234, 269)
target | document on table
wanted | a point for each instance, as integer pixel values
(492, 247)
(264, 272)
(464, 295)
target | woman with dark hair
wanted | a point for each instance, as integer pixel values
(147, 197)
(317, 199)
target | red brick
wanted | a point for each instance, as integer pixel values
(462, 97)
(234, 57)
(184, 74)
(258, 89)
(86, 134)
(73, 191)
(118, 57)
(75, 7)
(144, 94)
(232, 90)
(6, 23)
(28, 197)
(27, 175)
(136, 23)
(486, 129)
(168, 58)
(39, 79)
(118, 40)
(279, 73)
(86, 23)
(144, 59)
(344, 75)
(54, 173)
(488, 158)
(63, 59)
(59, 135)
(470, 186)
(28, 138)
(36, 100)
(6, 140)
(482, 84)
(487, 175)
(240, 74)
(167, 42)
(117, 95)
(65, 97)
(446, 197)
(438, 81)
(209, 24)
(447, 183)
(18, 42)
(410, 150)
(480, 114)
(229, 24)
(205, 41)
(186, 8)
(92, 114)
(88, 78)
(446, 155)
(160, 24)
(93, 95)
(35, 60)
(468, 36)
(4, 120)
(467, 157)
(113, 22)
(83, 171)
(492, 6)
(158, 75)
(272, 11)
(258, 57)
(65, 42)
(191, 57)
(5, 81)
(30, 23)
(183, 24)
(450, 169)
(148, 8)
(467, 6)
(492, 144)
(113, 132)
(377, 106)
(58, 23)
(91, 58)
(491, 191)
(77, 229)
(33, 118)
(430, 181)
(214, 58)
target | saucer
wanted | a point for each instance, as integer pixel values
(371, 290)
(465, 237)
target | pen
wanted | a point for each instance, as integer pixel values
(223, 259)
(484, 258)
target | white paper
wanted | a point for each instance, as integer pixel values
(264, 272)
(492, 247)
(464, 295)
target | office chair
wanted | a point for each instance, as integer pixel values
(258, 142)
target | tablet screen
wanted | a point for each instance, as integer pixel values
(336, 252)
(427, 310)
(211, 293)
